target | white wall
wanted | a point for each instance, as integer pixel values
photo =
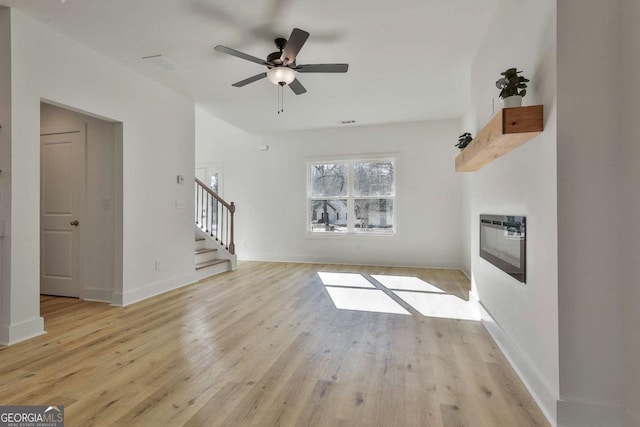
(630, 190)
(630, 42)
(590, 304)
(98, 227)
(269, 189)
(158, 134)
(5, 175)
(99, 242)
(521, 317)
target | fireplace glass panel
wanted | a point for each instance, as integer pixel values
(503, 243)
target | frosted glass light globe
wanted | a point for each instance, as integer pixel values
(281, 75)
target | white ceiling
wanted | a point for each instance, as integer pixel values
(408, 59)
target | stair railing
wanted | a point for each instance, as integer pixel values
(215, 216)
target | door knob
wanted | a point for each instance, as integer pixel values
(74, 223)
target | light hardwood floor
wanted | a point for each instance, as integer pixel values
(265, 346)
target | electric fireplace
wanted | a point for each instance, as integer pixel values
(503, 242)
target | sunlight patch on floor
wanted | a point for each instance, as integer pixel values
(406, 283)
(440, 305)
(355, 291)
(371, 300)
(344, 279)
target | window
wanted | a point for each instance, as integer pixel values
(351, 196)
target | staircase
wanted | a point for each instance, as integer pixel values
(214, 249)
(206, 257)
(207, 260)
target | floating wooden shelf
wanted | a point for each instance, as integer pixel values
(508, 129)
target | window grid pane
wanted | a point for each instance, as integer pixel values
(374, 178)
(355, 196)
(374, 215)
(329, 216)
(329, 180)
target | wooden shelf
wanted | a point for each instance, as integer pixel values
(508, 129)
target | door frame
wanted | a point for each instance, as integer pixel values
(112, 295)
(217, 167)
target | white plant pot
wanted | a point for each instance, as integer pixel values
(512, 101)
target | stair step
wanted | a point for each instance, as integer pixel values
(200, 243)
(204, 250)
(210, 263)
(205, 255)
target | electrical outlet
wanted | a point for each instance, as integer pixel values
(157, 265)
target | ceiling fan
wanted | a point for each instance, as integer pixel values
(264, 27)
(281, 66)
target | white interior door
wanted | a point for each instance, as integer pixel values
(61, 195)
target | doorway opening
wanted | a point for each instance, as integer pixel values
(212, 174)
(80, 204)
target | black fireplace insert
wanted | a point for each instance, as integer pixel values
(503, 242)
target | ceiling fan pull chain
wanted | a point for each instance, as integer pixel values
(280, 99)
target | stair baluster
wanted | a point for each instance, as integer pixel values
(211, 211)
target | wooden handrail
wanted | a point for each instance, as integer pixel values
(232, 245)
(215, 195)
(212, 218)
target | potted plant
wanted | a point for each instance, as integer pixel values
(464, 140)
(512, 88)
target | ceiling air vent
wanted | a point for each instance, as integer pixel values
(162, 62)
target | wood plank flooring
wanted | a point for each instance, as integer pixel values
(265, 346)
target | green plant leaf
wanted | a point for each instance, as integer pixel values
(511, 83)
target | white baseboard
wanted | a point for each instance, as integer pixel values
(117, 299)
(18, 332)
(136, 295)
(340, 261)
(587, 414)
(99, 295)
(544, 397)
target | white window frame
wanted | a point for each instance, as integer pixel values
(350, 197)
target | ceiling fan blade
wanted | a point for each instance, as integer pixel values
(297, 87)
(296, 40)
(250, 80)
(239, 54)
(322, 68)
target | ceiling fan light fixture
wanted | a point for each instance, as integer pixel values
(281, 75)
